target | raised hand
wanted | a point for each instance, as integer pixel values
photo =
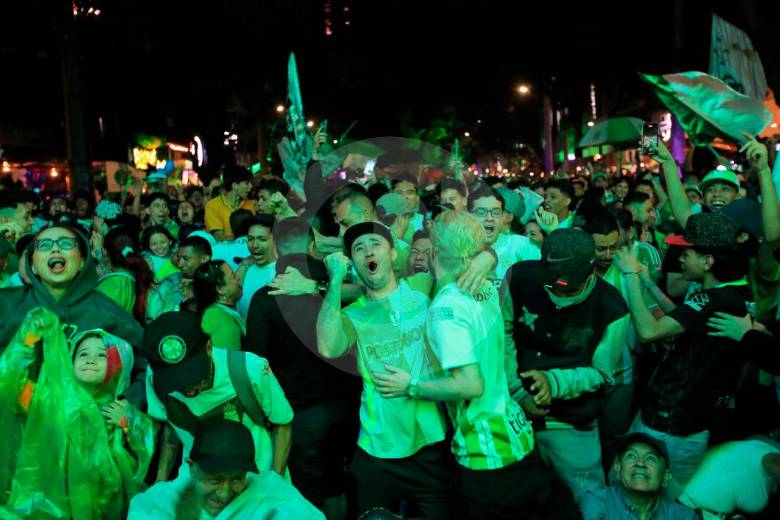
(338, 265)
(755, 152)
(547, 220)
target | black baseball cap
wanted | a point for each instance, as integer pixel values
(708, 230)
(223, 446)
(175, 346)
(657, 445)
(365, 228)
(747, 214)
(568, 256)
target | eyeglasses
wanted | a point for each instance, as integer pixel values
(47, 244)
(484, 212)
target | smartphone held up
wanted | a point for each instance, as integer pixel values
(649, 139)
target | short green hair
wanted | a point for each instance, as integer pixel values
(456, 237)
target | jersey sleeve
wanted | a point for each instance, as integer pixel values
(349, 330)
(268, 391)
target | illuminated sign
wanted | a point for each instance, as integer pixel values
(143, 158)
(665, 126)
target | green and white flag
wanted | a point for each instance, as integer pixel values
(296, 150)
(734, 60)
(708, 108)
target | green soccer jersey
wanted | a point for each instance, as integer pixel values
(491, 431)
(120, 287)
(391, 331)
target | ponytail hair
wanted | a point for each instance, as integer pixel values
(208, 278)
(123, 248)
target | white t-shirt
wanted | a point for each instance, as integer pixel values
(229, 251)
(267, 497)
(731, 478)
(269, 394)
(510, 249)
(255, 279)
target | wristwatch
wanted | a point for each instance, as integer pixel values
(322, 288)
(414, 389)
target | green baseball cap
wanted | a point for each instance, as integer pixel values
(719, 176)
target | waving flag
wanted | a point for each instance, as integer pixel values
(708, 108)
(296, 150)
(734, 60)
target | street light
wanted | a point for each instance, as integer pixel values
(310, 123)
(591, 124)
(280, 108)
(523, 89)
(466, 134)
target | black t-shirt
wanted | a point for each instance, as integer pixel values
(699, 367)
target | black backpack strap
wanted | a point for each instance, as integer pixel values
(239, 376)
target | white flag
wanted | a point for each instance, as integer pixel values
(734, 60)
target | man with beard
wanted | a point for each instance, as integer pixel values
(260, 268)
(323, 393)
(401, 454)
(224, 482)
(642, 469)
(641, 207)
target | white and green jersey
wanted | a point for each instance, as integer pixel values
(391, 331)
(491, 431)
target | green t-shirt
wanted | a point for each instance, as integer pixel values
(225, 328)
(491, 431)
(391, 331)
(120, 287)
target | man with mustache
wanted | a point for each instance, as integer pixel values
(642, 468)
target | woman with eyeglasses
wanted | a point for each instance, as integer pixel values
(217, 290)
(63, 280)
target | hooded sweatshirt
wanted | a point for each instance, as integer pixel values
(81, 308)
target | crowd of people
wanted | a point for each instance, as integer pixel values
(593, 347)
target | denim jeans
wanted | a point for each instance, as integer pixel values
(575, 455)
(685, 454)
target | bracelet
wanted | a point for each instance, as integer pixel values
(631, 272)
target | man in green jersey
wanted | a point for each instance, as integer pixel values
(401, 454)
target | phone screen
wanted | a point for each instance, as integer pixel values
(368, 171)
(649, 137)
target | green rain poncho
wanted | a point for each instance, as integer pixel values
(59, 458)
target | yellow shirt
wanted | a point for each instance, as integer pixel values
(218, 214)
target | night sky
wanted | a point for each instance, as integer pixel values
(176, 68)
